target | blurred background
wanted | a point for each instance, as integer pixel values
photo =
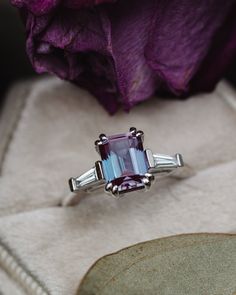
(14, 63)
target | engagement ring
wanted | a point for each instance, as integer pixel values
(124, 166)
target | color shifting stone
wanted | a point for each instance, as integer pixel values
(124, 162)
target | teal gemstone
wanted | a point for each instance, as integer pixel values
(124, 162)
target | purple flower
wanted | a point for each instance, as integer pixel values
(126, 50)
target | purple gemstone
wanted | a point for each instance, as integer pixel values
(124, 162)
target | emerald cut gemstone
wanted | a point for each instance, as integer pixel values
(124, 162)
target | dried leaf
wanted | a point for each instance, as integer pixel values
(193, 264)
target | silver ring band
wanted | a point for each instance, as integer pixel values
(125, 166)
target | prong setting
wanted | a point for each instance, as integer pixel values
(150, 176)
(147, 180)
(147, 183)
(133, 131)
(115, 190)
(112, 189)
(97, 142)
(100, 141)
(136, 133)
(103, 137)
(139, 133)
(125, 166)
(108, 187)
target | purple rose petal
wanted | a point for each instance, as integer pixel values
(182, 34)
(219, 57)
(40, 7)
(124, 51)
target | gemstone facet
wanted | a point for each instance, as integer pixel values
(124, 162)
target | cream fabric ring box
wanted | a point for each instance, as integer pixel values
(54, 245)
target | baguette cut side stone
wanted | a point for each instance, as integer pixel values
(124, 162)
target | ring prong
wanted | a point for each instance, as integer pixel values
(112, 189)
(133, 130)
(115, 191)
(147, 183)
(150, 176)
(140, 133)
(103, 137)
(97, 142)
(108, 187)
(147, 180)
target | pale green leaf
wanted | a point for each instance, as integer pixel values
(194, 264)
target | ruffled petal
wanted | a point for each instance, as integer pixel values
(40, 7)
(125, 51)
(182, 34)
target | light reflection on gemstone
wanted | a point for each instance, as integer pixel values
(124, 162)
